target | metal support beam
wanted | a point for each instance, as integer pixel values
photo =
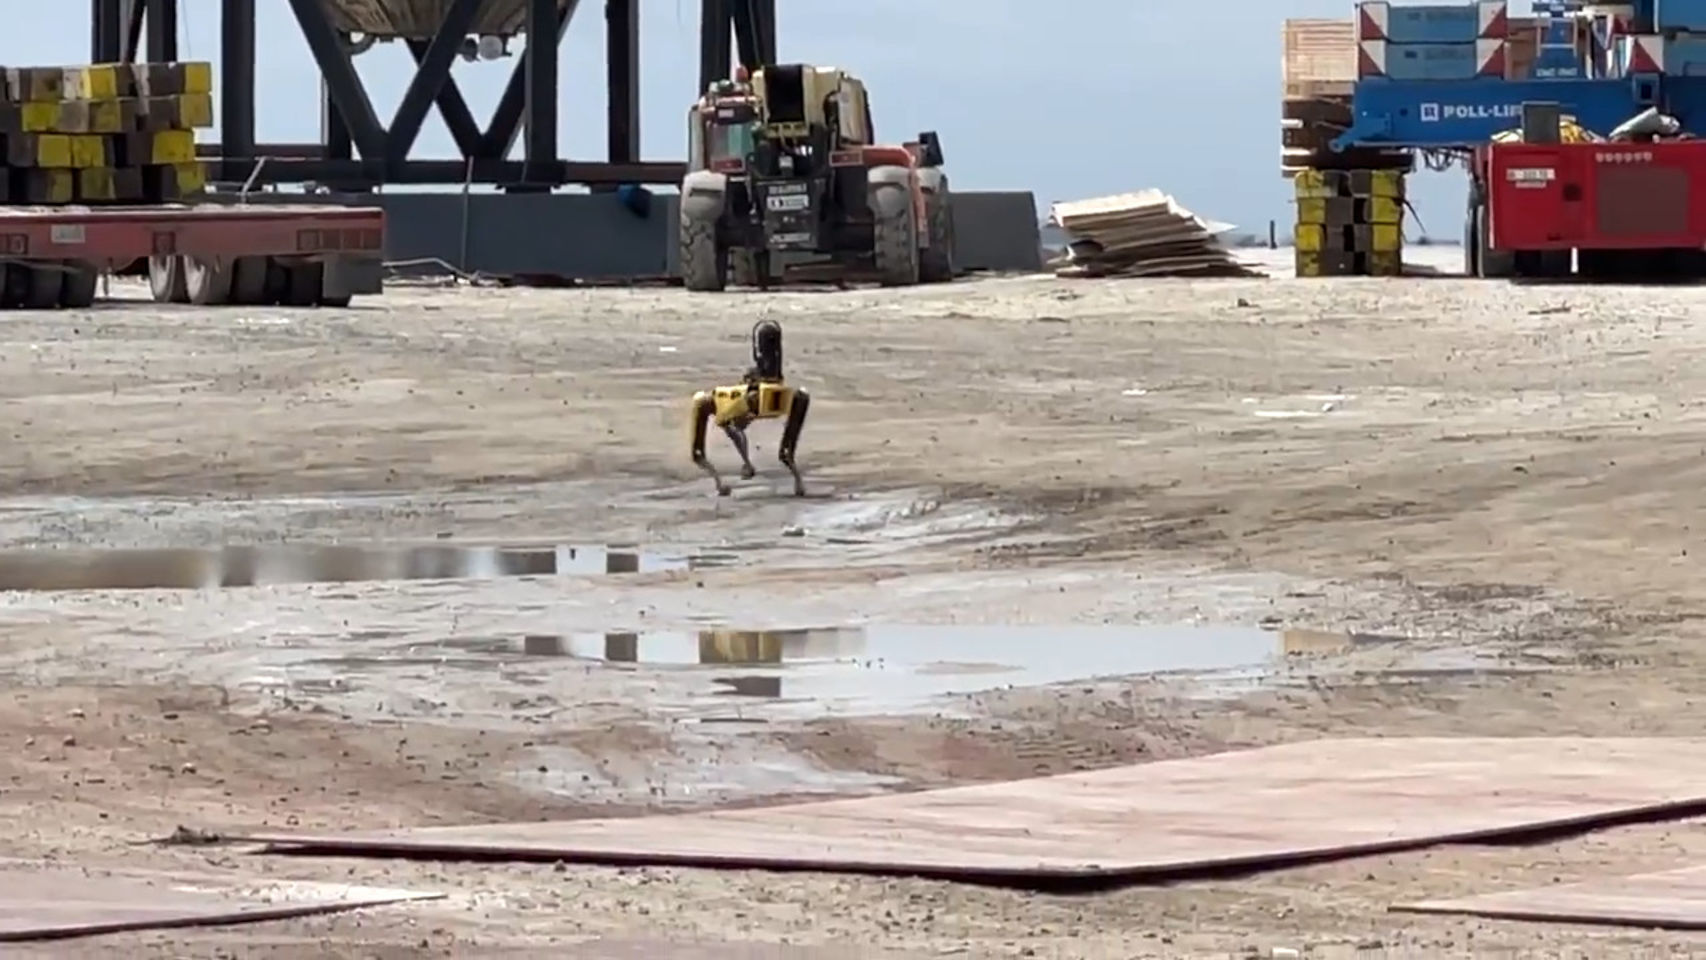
(106, 30)
(622, 80)
(452, 107)
(162, 28)
(432, 75)
(764, 17)
(716, 58)
(135, 12)
(237, 78)
(343, 86)
(749, 40)
(505, 125)
(541, 67)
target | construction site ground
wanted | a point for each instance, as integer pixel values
(1506, 477)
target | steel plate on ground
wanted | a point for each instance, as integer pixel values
(1672, 900)
(1243, 808)
(54, 903)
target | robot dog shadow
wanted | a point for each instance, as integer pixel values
(762, 394)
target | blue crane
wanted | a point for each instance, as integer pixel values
(1601, 65)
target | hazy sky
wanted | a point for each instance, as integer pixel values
(1070, 99)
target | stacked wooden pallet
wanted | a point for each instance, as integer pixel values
(103, 133)
(1350, 223)
(1145, 234)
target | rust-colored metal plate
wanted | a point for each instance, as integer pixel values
(660, 950)
(1672, 900)
(55, 903)
(1244, 808)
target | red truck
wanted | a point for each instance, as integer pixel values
(203, 253)
(1626, 210)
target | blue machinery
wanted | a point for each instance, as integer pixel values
(1601, 64)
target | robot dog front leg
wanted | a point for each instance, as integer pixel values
(704, 408)
(736, 432)
(797, 411)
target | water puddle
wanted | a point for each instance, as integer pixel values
(193, 568)
(880, 668)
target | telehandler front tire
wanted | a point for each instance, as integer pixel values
(704, 264)
(895, 246)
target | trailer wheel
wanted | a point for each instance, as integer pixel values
(936, 261)
(14, 285)
(1493, 264)
(46, 283)
(249, 281)
(81, 282)
(208, 281)
(278, 281)
(704, 264)
(166, 280)
(895, 246)
(302, 284)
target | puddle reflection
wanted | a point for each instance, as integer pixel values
(891, 665)
(245, 566)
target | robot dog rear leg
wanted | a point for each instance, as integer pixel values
(791, 437)
(736, 433)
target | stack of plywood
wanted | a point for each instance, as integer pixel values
(103, 133)
(1145, 234)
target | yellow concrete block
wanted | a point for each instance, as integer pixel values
(1386, 264)
(1311, 237)
(1385, 210)
(195, 111)
(90, 150)
(1386, 183)
(35, 84)
(1312, 210)
(97, 81)
(171, 147)
(198, 76)
(1385, 238)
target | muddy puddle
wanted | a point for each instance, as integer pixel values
(864, 669)
(247, 566)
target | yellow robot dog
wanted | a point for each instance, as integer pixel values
(761, 395)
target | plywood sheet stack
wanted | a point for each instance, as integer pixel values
(1350, 223)
(1145, 234)
(103, 133)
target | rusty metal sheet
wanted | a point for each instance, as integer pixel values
(56, 903)
(1672, 900)
(1242, 808)
(603, 949)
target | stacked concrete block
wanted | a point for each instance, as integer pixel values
(1350, 223)
(103, 133)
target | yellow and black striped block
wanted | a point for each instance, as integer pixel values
(1349, 223)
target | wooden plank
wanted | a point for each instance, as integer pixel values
(1669, 900)
(55, 903)
(1245, 808)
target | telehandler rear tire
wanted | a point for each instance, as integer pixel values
(936, 261)
(704, 265)
(895, 247)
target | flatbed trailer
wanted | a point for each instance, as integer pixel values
(203, 253)
(1625, 211)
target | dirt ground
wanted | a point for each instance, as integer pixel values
(1506, 476)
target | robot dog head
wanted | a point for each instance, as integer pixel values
(767, 350)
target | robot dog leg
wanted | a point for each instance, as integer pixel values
(704, 408)
(796, 422)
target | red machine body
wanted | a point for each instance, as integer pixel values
(1595, 196)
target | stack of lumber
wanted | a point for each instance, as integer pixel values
(1145, 234)
(103, 133)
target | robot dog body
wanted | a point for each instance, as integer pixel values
(763, 394)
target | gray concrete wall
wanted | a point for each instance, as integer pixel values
(592, 236)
